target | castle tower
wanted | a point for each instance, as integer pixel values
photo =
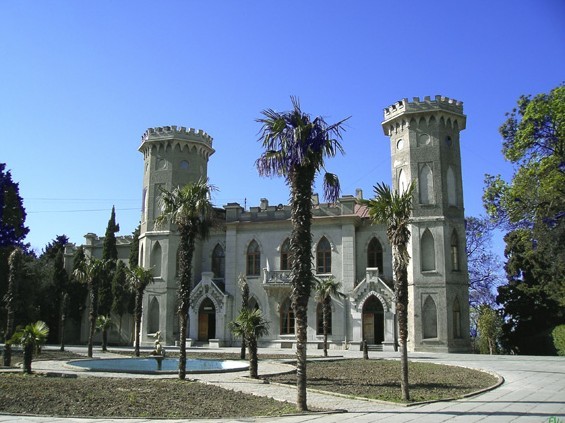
(424, 140)
(172, 156)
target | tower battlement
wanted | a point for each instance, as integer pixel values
(181, 132)
(427, 104)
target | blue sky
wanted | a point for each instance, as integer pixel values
(82, 81)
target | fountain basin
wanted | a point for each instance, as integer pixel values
(157, 365)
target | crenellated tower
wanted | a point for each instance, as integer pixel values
(424, 142)
(172, 156)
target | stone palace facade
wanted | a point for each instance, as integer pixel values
(424, 144)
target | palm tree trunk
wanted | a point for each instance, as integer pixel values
(28, 355)
(301, 247)
(325, 317)
(93, 314)
(253, 360)
(401, 288)
(187, 241)
(9, 333)
(138, 311)
(183, 324)
(104, 339)
(242, 351)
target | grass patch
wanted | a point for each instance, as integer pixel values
(380, 379)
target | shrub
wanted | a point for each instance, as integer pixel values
(558, 335)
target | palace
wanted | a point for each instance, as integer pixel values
(424, 144)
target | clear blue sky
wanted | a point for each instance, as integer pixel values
(82, 81)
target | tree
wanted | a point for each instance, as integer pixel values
(30, 338)
(244, 286)
(110, 256)
(89, 272)
(484, 266)
(104, 324)
(489, 327)
(77, 291)
(394, 209)
(12, 227)
(60, 284)
(295, 147)
(15, 263)
(250, 325)
(138, 279)
(190, 209)
(532, 208)
(134, 248)
(120, 292)
(325, 290)
(530, 312)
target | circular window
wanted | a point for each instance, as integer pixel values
(183, 165)
(399, 144)
(448, 141)
(424, 139)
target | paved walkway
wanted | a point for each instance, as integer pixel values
(533, 391)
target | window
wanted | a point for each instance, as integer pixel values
(156, 259)
(285, 249)
(320, 320)
(455, 252)
(253, 259)
(426, 184)
(451, 190)
(429, 318)
(375, 255)
(427, 251)
(324, 256)
(456, 319)
(287, 318)
(184, 165)
(218, 262)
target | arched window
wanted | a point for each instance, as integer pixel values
(451, 191)
(253, 259)
(253, 304)
(218, 262)
(287, 318)
(456, 319)
(455, 251)
(141, 259)
(402, 182)
(429, 318)
(426, 184)
(427, 251)
(153, 316)
(156, 259)
(285, 249)
(375, 255)
(320, 320)
(324, 256)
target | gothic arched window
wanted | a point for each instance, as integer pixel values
(253, 259)
(375, 255)
(324, 256)
(426, 184)
(429, 318)
(156, 259)
(455, 251)
(287, 318)
(456, 319)
(285, 250)
(218, 262)
(427, 251)
(451, 187)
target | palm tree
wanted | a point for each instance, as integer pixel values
(325, 290)
(244, 286)
(250, 325)
(90, 272)
(190, 209)
(295, 148)
(104, 324)
(138, 279)
(30, 338)
(394, 209)
(15, 267)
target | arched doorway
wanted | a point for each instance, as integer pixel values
(373, 321)
(206, 320)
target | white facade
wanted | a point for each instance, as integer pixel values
(424, 137)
